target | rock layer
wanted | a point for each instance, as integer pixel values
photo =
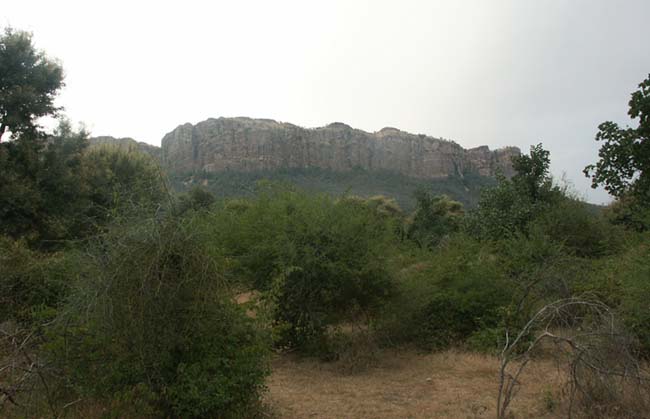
(245, 144)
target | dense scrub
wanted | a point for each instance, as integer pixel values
(230, 184)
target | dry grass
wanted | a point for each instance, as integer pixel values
(408, 385)
(402, 384)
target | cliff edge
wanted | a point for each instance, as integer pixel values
(246, 144)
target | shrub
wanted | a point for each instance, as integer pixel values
(487, 339)
(508, 208)
(55, 189)
(583, 232)
(540, 269)
(154, 319)
(621, 281)
(629, 212)
(30, 281)
(319, 260)
(448, 297)
(40, 189)
(120, 182)
(633, 269)
(435, 218)
(196, 199)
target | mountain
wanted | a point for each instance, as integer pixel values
(248, 145)
(229, 155)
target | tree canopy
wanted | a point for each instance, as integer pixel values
(29, 82)
(513, 204)
(624, 165)
(52, 187)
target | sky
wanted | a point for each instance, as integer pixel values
(496, 73)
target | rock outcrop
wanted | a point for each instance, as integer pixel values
(245, 144)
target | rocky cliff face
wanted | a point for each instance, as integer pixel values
(245, 144)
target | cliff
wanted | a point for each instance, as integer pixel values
(246, 145)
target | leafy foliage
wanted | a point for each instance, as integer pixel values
(120, 182)
(636, 294)
(622, 282)
(30, 282)
(581, 231)
(509, 207)
(630, 212)
(41, 194)
(448, 296)
(29, 82)
(319, 260)
(57, 189)
(624, 165)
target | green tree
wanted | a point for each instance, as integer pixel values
(120, 182)
(41, 190)
(509, 207)
(532, 177)
(29, 82)
(56, 189)
(624, 165)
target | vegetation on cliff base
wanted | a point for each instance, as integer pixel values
(359, 182)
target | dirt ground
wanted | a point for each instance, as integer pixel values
(407, 385)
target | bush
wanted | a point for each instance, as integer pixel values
(487, 339)
(30, 282)
(435, 218)
(40, 189)
(446, 298)
(319, 260)
(120, 182)
(196, 199)
(629, 212)
(621, 281)
(508, 208)
(584, 232)
(155, 321)
(633, 269)
(540, 269)
(56, 189)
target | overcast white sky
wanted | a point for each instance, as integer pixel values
(501, 72)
